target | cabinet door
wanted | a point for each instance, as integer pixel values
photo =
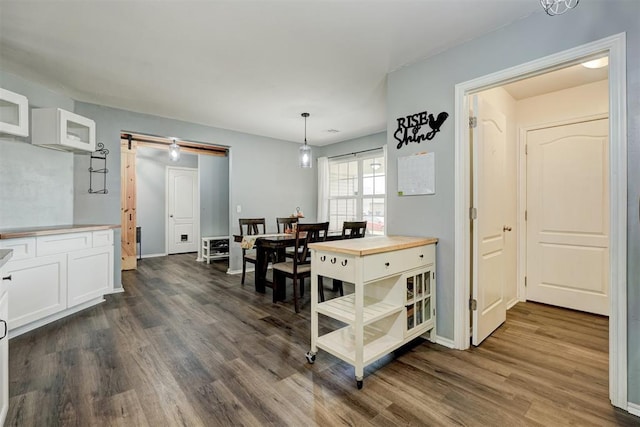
(90, 274)
(419, 288)
(38, 288)
(4, 356)
(14, 114)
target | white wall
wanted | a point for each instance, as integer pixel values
(214, 195)
(36, 183)
(574, 103)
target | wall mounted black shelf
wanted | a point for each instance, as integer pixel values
(98, 164)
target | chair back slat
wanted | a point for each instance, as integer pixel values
(354, 229)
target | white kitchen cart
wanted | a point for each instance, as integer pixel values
(393, 301)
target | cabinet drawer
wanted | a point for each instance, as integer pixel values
(102, 238)
(390, 263)
(24, 248)
(60, 243)
(336, 266)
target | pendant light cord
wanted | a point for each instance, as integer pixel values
(305, 115)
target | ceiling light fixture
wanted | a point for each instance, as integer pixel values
(305, 150)
(558, 7)
(597, 63)
(174, 151)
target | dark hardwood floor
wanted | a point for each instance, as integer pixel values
(186, 344)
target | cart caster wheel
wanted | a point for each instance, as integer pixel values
(359, 384)
(311, 357)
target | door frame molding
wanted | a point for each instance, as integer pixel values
(166, 206)
(615, 46)
(521, 238)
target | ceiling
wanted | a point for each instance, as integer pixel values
(564, 78)
(249, 66)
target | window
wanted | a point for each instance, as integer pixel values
(357, 191)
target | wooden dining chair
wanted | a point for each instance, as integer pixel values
(354, 229)
(350, 230)
(300, 266)
(250, 227)
(286, 223)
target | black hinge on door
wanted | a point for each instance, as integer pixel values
(473, 122)
(525, 281)
(473, 304)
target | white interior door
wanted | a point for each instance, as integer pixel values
(182, 209)
(568, 216)
(489, 188)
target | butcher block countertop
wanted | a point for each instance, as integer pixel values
(15, 233)
(372, 245)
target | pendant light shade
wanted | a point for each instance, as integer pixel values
(305, 150)
(174, 151)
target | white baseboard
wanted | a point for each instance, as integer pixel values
(153, 255)
(634, 409)
(445, 342)
(249, 270)
(117, 290)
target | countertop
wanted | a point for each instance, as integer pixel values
(372, 245)
(5, 255)
(15, 233)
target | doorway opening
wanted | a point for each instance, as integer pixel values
(615, 208)
(171, 204)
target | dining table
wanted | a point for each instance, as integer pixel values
(271, 247)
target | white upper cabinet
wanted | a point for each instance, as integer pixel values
(14, 113)
(62, 130)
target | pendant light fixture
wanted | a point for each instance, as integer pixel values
(305, 150)
(174, 151)
(558, 7)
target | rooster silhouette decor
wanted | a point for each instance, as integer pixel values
(413, 128)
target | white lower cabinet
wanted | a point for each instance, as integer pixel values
(67, 273)
(4, 350)
(392, 303)
(38, 288)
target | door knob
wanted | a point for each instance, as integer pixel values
(7, 278)
(506, 228)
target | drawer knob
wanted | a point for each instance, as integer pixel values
(344, 263)
(7, 278)
(333, 260)
(323, 258)
(386, 264)
(421, 255)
